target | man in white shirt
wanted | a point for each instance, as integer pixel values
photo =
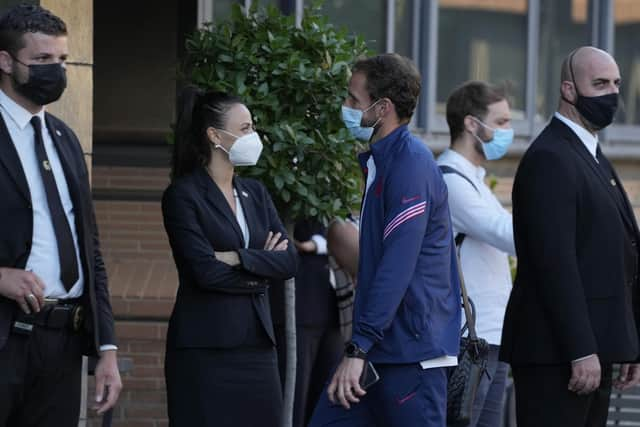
(479, 121)
(54, 302)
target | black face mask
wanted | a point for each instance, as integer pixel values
(45, 84)
(597, 110)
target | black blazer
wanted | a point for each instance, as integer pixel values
(218, 305)
(16, 229)
(576, 238)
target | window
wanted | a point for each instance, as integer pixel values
(627, 54)
(366, 18)
(564, 26)
(404, 25)
(482, 41)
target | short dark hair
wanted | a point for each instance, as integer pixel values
(197, 111)
(471, 99)
(27, 18)
(392, 76)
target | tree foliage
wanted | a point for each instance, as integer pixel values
(294, 81)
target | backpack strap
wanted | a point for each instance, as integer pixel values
(445, 169)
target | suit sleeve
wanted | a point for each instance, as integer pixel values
(193, 252)
(104, 312)
(545, 206)
(278, 265)
(407, 206)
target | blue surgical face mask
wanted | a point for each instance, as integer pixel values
(497, 146)
(352, 119)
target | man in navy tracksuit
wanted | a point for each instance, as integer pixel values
(407, 305)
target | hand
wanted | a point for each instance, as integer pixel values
(272, 243)
(229, 257)
(308, 246)
(585, 375)
(107, 381)
(345, 384)
(24, 287)
(629, 376)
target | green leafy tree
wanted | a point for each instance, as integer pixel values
(294, 81)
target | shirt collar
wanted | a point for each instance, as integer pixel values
(18, 114)
(462, 164)
(589, 140)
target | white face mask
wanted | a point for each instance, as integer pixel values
(245, 151)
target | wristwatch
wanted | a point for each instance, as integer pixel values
(352, 350)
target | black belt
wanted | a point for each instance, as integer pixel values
(55, 314)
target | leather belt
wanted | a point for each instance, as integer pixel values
(55, 314)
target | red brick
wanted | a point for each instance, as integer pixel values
(142, 383)
(145, 411)
(146, 330)
(156, 372)
(141, 347)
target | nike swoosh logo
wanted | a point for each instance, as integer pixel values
(408, 200)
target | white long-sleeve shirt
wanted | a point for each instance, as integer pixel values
(488, 227)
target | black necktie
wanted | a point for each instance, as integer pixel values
(66, 248)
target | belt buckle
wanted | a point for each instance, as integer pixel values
(50, 301)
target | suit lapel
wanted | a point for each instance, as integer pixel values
(66, 159)
(66, 156)
(586, 156)
(11, 161)
(214, 196)
(627, 208)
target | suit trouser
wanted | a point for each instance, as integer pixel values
(40, 380)
(405, 396)
(543, 399)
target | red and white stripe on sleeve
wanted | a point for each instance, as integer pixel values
(404, 216)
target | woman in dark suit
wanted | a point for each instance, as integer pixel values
(228, 245)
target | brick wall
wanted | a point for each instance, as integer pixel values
(143, 283)
(143, 280)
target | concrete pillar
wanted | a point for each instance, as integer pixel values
(76, 105)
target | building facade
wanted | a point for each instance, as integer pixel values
(122, 94)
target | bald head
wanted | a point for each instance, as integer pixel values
(591, 77)
(585, 60)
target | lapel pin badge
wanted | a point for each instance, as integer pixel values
(46, 165)
(58, 132)
(613, 182)
(244, 193)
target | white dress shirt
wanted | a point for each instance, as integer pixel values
(488, 227)
(588, 139)
(43, 257)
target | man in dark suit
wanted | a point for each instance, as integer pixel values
(573, 311)
(54, 302)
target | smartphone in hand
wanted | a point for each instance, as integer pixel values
(369, 376)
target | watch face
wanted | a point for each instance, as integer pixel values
(351, 348)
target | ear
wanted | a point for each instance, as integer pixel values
(213, 135)
(6, 62)
(470, 124)
(386, 107)
(568, 91)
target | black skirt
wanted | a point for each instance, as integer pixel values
(237, 387)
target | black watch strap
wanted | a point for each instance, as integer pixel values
(352, 350)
